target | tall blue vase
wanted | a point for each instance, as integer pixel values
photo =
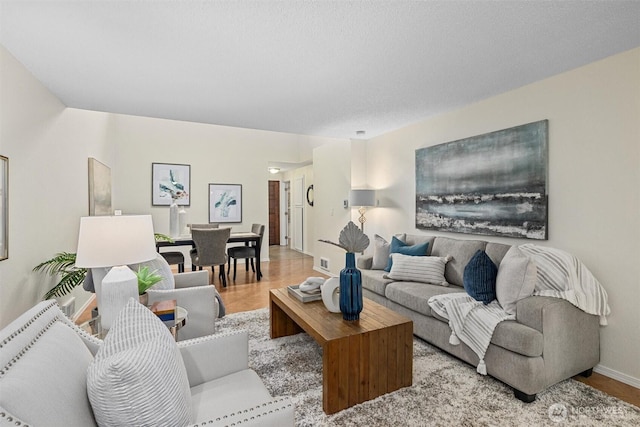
(350, 289)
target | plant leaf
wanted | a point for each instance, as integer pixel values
(70, 279)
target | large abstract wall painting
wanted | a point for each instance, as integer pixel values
(492, 184)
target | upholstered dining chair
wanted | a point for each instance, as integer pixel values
(246, 252)
(211, 246)
(174, 257)
(209, 225)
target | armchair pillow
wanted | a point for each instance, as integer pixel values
(400, 247)
(480, 277)
(138, 376)
(516, 279)
(423, 269)
(381, 251)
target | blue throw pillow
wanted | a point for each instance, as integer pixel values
(479, 277)
(400, 247)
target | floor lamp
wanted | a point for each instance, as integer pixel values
(115, 241)
(362, 199)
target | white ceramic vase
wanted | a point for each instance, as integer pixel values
(174, 222)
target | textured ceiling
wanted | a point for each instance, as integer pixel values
(326, 68)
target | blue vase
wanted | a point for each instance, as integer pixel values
(350, 289)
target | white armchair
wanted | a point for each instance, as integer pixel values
(44, 360)
(191, 290)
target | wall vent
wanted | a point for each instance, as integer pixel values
(324, 263)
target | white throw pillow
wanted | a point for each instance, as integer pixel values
(138, 375)
(516, 279)
(424, 269)
(381, 249)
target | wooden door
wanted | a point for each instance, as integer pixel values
(274, 212)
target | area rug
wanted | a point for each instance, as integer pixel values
(445, 390)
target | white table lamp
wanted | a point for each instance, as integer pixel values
(115, 241)
(362, 199)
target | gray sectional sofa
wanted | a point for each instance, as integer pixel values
(550, 340)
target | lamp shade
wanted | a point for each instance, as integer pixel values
(106, 241)
(362, 198)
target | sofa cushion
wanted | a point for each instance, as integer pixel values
(461, 251)
(399, 247)
(424, 269)
(496, 252)
(480, 278)
(138, 375)
(375, 281)
(45, 383)
(516, 279)
(415, 296)
(381, 250)
(416, 239)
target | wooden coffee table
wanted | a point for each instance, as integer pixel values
(361, 360)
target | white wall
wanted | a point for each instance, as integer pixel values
(594, 178)
(48, 147)
(332, 174)
(217, 154)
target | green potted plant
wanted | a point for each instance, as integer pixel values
(146, 279)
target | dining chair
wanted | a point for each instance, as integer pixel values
(246, 252)
(206, 226)
(174, 257)
(211, 245)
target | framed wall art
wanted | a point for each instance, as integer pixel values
(99, 188)
(491, 184)
(4, 208)
(170, 182)
(225, 203)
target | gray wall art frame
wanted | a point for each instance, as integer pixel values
(99, 188)
(169, 181)
(492, 184)
(4, 208)
(225, 203)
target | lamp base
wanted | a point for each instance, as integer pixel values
(118, 286)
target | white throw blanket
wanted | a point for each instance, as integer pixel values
(562, 275)
(471, 321)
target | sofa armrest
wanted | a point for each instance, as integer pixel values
(571, 336)
(215, 356)
(276, 413)
(190, 279)
(365, 262)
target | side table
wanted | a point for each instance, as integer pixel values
(94, 328)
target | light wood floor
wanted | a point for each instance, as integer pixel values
(289, 267)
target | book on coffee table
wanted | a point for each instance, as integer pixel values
(313, 295)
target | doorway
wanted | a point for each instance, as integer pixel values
(274, 213)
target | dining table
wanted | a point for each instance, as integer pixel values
(245, 237)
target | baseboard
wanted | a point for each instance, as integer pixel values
(618, 376)
(79, 312)
(322, 270)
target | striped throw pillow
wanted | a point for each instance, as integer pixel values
(423, 269)
(138, 376)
